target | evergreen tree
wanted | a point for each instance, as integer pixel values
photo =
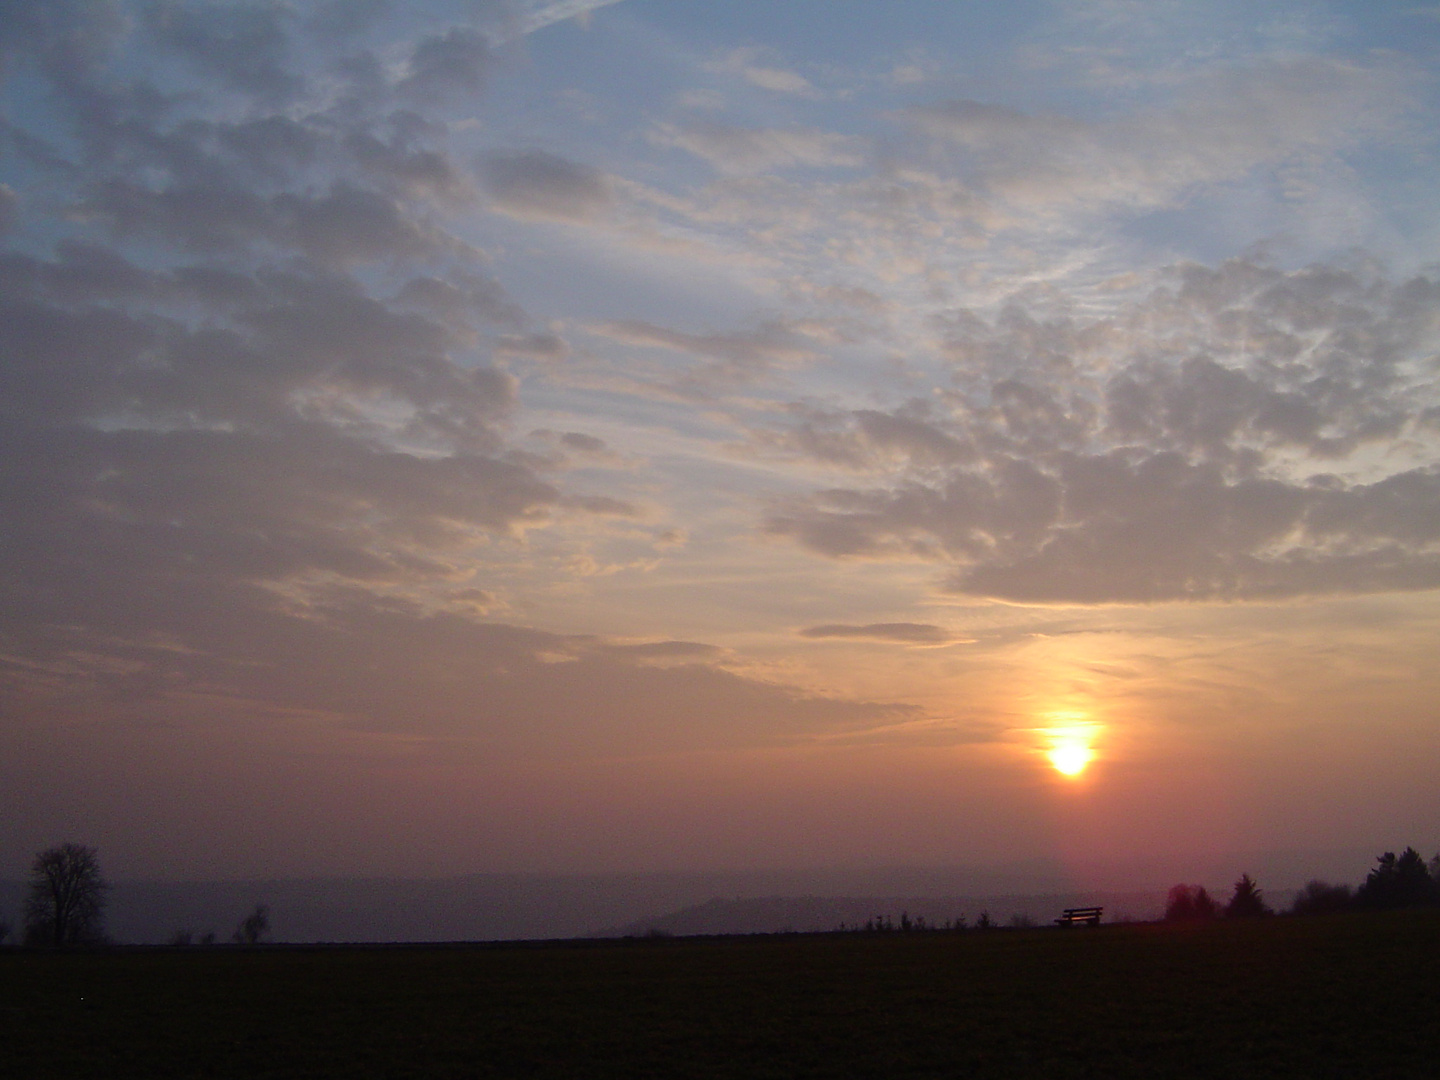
(1397, 881)
(1247, 902)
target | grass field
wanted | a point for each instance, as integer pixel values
(1343, 996)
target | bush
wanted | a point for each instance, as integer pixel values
(1322, 898)
(1190, 903)
(253, 927)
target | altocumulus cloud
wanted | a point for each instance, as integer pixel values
(1237, 433)
(252, 427)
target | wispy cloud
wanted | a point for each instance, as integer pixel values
(904, 633)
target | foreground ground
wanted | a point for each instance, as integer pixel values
(1340, 996)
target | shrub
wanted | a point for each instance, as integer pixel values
(1190, 903)
(1321, 898)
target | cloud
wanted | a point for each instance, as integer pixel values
(903, 632)
(754, 150)
(9, 208)
(538, 14)
(545, 346)
(246, 418)
(455, 62)
(538, 185)
(1217, 129)
(1105, 460)
(666, 650)
(734, 358)
(777, 80)
(243, 45)
(345, 225)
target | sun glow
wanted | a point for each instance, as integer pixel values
(1070, 750)
(1070, 758)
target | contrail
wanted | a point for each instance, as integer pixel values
(535, 14)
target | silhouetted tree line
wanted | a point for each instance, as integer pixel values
(884, 924)
(1397, 881)
(65, 904)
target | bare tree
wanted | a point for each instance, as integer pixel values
(253, 927)
(66, 903)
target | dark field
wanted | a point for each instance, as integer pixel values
(1342, 996)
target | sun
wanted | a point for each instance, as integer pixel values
(1070, 758)
(1070, 749)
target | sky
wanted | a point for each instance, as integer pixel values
(664, 435)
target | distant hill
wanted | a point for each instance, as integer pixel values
(493, 907)
(809, 914)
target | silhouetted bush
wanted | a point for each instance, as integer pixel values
(253, 927)
(1397, 882)
(1247, 902)
(1322, 898)
(1190, 903)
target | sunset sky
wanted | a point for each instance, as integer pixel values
(463, 436)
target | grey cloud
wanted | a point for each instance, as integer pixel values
(1101, 461)
(589, 450)
(417, 172)
(907, 633)
(737, 357)
(343, 18)
(273, 145)
(865, 439)
(462, 298)
(246, 45)
(71, 38)
(1202, 539)
(601, 504)
(1109, 530)
(287, 343)
(535, 184)
(345, 660)
(667, 650)
(589, 444)
(343, 226)
(456, 61)
(227, 456)
(549, 347)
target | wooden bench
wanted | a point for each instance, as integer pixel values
(1073, 916)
